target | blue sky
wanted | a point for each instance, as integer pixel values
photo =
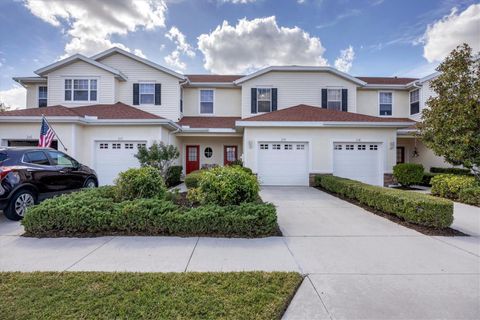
(362, 37)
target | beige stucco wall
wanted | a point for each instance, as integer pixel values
(298, 88)
(227, 102)
(426, 157)
(368, 103)
(320, 142)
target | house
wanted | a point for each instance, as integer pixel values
(286, 123)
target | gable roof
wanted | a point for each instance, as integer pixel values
(79, 57)
(212, 78)
(152, 64)
(300, 68)
(209, 122)
(387, 80)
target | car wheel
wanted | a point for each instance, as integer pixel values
(90, 183)
(18, 204)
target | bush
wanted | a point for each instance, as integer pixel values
(427, 176)
(458, 171)
(144, 182)
(470, 196)
(413, 207)
(408, 173)
(449, 185)
(173, 176)
(229, 185)
(192, 179)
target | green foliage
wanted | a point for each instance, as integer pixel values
(458, 171)
(427, 176)
(451, 124)
(192, 179)
(230, 185)
(449, 185)
(470, 196)
(173, 176)
(158, 155)
(413, 207)
(144, 182)
(408, 173)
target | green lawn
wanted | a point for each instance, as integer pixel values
(101, 295)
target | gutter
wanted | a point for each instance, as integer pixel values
(327, 124)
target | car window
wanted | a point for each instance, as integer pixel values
(61, 159)
(3, 156)
(36, 157)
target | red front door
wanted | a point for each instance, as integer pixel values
(229, 154)
(193, 158)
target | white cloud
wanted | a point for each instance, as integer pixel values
(452, 30)
(14, 98)
(139, 53)
(254, 44)
(345, 60)
(182, 48)
(90, 23)
(238, 1)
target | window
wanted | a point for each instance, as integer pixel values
(141, 145)
(288, 147)
(206, 101)
(116, 145)
(80, 90)
(350, 147)
(300, 147)
(276, 147)
(334, 99)
(361, 147)
(264, 146)
(373, 147)
(338, 147)
(208, 152)
(264, 99)
(415, 101)
(42, 96)
(36, 157)
(61, 159)
(128, 145)
(103, 145)
(386, 102)
(147, 93)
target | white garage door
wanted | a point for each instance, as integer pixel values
(113, 157)
(358, 161)
(283, 163)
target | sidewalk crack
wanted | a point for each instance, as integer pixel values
(319, 297)
(191, 255)
(88, 254)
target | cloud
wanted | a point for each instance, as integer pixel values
(347, 14)
(345, 60)
(182, 48)
(254, 44)
(90, 24)
(446, 34)
(238, 1)
(14, 98)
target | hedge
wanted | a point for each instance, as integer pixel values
(192, 179)
(408, 173)
(450, 186)
(174, 173)
(413, 207)
(427, 177)
(459, 171)
(470, 196)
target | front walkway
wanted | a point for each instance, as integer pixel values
(358, 265)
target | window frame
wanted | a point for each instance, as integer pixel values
(341, 100)
(264, 88)
(38, 96)
(72, 89)
(410, 100)
(379, 108)
(140, 83)
(200, 101)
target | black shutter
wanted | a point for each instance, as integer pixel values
(254, 100)
(136, 93)
(324, 98)
(345, 100)
(274, 99)
(158, 94)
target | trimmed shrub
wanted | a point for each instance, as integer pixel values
(230, 185)
(458, 171)
(173, 175)
(413, 207)
(144, 182)
(408, 173)
(427, 176)
(192, 179)
(470, 196)
(449, 185)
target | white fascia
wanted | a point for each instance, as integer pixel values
(310, 124)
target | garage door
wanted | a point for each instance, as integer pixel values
(358, 161)
(283, 163)
(113, 157)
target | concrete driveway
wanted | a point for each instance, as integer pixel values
(357, 265)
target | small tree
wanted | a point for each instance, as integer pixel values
(159, 155)
(3, 107)
(451, 124)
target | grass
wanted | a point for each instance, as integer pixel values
(102, 295)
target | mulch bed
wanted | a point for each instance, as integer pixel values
(429, 231)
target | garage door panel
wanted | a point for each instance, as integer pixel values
(358, 161)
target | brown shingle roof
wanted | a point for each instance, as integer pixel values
(387, 80)
(102, 111)
(209, 122)
(212, 77)
(304, 112)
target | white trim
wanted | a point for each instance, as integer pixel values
(200, 102)
(82, 102)
(23, 81)
(424, 79)
(384, 115)
(210, 85)
(271, 98)
(322, 124)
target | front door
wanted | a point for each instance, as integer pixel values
(193, 158)
(230, 154)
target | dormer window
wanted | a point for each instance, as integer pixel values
(264, 99)
(80, 90)
(415, 101)
(42, 96)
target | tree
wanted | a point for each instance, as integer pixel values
(3, 107)
(159, 155)
(451, 124)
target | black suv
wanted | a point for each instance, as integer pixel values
(29, 175)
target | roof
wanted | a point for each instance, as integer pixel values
(300, 69)
(212, 78)
(101, 111)
(24, 80)
(387, 80)
(209, 122)
(152, 64)
(308, 113)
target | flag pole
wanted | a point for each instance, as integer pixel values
(58, 138)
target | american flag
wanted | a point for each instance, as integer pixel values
(46, 134)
